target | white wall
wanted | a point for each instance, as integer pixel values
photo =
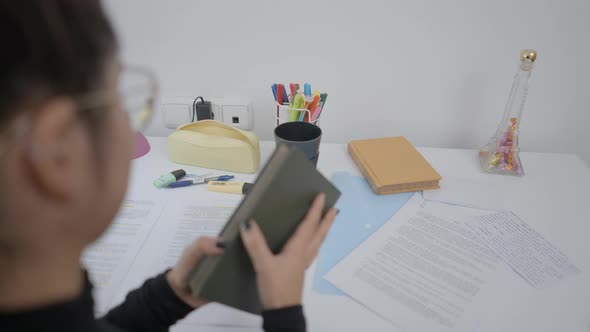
(438, 72)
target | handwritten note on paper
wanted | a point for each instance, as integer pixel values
(529, 254)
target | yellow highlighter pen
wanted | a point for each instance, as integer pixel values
(229, 187)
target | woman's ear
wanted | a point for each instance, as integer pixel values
(57, 149)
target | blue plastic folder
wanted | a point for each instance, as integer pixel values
(362, 212)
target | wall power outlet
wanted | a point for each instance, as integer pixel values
(236, 112)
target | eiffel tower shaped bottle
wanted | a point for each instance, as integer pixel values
(501, 154)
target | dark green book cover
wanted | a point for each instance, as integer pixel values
(278, 201)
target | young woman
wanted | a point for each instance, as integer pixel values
(66, 139)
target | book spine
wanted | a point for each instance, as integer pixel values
(428, 185)
(371, 179)
(197, 278)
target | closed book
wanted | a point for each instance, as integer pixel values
(278, 201)
(393, 165)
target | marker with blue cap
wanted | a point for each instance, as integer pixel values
(308, 97)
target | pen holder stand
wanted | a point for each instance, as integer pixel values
(286, 114)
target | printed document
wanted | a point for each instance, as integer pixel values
(180, 223)
(108, 260)
(422, 270)
(532, 257)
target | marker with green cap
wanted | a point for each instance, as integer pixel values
(166, 179)
(318, 110)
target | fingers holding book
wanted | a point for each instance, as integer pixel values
(280, 277)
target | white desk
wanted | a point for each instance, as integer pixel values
(552, 198)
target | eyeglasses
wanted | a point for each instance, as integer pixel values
(137, 91)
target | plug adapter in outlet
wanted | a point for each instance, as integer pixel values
(179, 110)
(232, 111)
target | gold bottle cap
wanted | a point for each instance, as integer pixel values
(528, 55)
(527, 59)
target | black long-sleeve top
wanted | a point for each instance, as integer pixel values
(151, 308)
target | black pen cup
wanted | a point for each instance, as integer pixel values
(302, 135)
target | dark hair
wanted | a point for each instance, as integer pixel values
(51, 47)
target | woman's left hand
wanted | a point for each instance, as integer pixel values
(178, 276)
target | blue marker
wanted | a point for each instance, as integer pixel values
(307, 89)
(308, 98)
(274, 91)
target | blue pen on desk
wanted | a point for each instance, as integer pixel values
(186, 183)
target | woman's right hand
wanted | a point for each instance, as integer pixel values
(280, 277)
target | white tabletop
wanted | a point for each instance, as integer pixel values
(552, 198)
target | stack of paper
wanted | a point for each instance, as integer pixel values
(426, 267)
(361, 214)
(145, 239)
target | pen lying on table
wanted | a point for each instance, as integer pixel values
(186, 183)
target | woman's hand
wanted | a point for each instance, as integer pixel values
(178, 276)
(280, 277)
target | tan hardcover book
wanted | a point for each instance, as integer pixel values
(393, 165)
